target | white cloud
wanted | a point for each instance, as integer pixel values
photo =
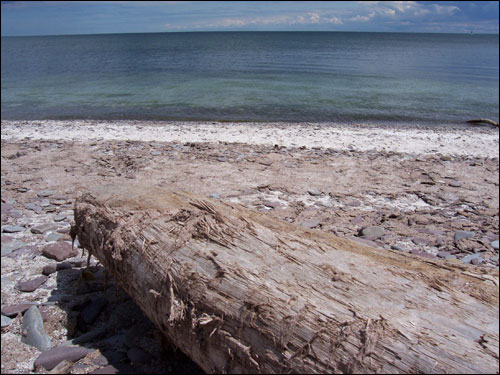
(445, 9)
(311, 18)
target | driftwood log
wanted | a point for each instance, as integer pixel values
(483, 121)
(239, 291)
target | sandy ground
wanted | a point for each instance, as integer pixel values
(419, 186)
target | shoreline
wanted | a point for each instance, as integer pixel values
(474, 141)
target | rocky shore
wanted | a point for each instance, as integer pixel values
(430, 192)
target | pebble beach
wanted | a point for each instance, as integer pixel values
(427, 191)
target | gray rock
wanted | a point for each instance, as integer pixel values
(22, 190)
(6, 321)
(443, 254)
(32, 284)
(33, 207)
(476, 261)
(11, 246)
(12, 228)
(214, 195)
(53, 237)
(45, 193)
(44, 203)
(60, 217)
(469, 258)
(314, 192)
(13, 310)
(222, 158)
(155, 153)
(51, 358)
(494, 244)
(400, 248)
(455, 184)
(33, 331)
(40, 229)
(463, 234)
(59, 251)
(311, 223)
(371, 233)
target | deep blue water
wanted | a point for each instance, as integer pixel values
(253, 76)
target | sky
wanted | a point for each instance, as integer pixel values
(20, 18)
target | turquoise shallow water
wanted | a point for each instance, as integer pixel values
(253, 76)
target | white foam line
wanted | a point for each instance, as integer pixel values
(471, 142)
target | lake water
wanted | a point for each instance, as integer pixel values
(342, 77)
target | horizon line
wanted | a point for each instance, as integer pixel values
(253, 31)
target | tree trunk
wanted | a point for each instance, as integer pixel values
(483, 121)
(239, 291)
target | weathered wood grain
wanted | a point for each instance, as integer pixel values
(239, 291)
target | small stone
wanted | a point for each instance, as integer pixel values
(138, 356)
(214, 195)
(45, 193)
(52, 357)
(443, 254)
(6, 321)
(53, 236)
(11, 246)
(314, 192)
(455, 184)
(63, 367)
(311, 223)
(469, 258)
(59, 217)
(399, 248)
(420, 241)
(49, 269)
(12, 228)
(31, 285)
(476, 261)
(222, 158)
(494, 244)
(59, 251)
(353, 203)
(463, 234)
(40, 229)
(265, 162)
(155, 153)
(33, 207)
(33, 331)
(13, 310)
(44, 203)
(22, 190)
(371, 233)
